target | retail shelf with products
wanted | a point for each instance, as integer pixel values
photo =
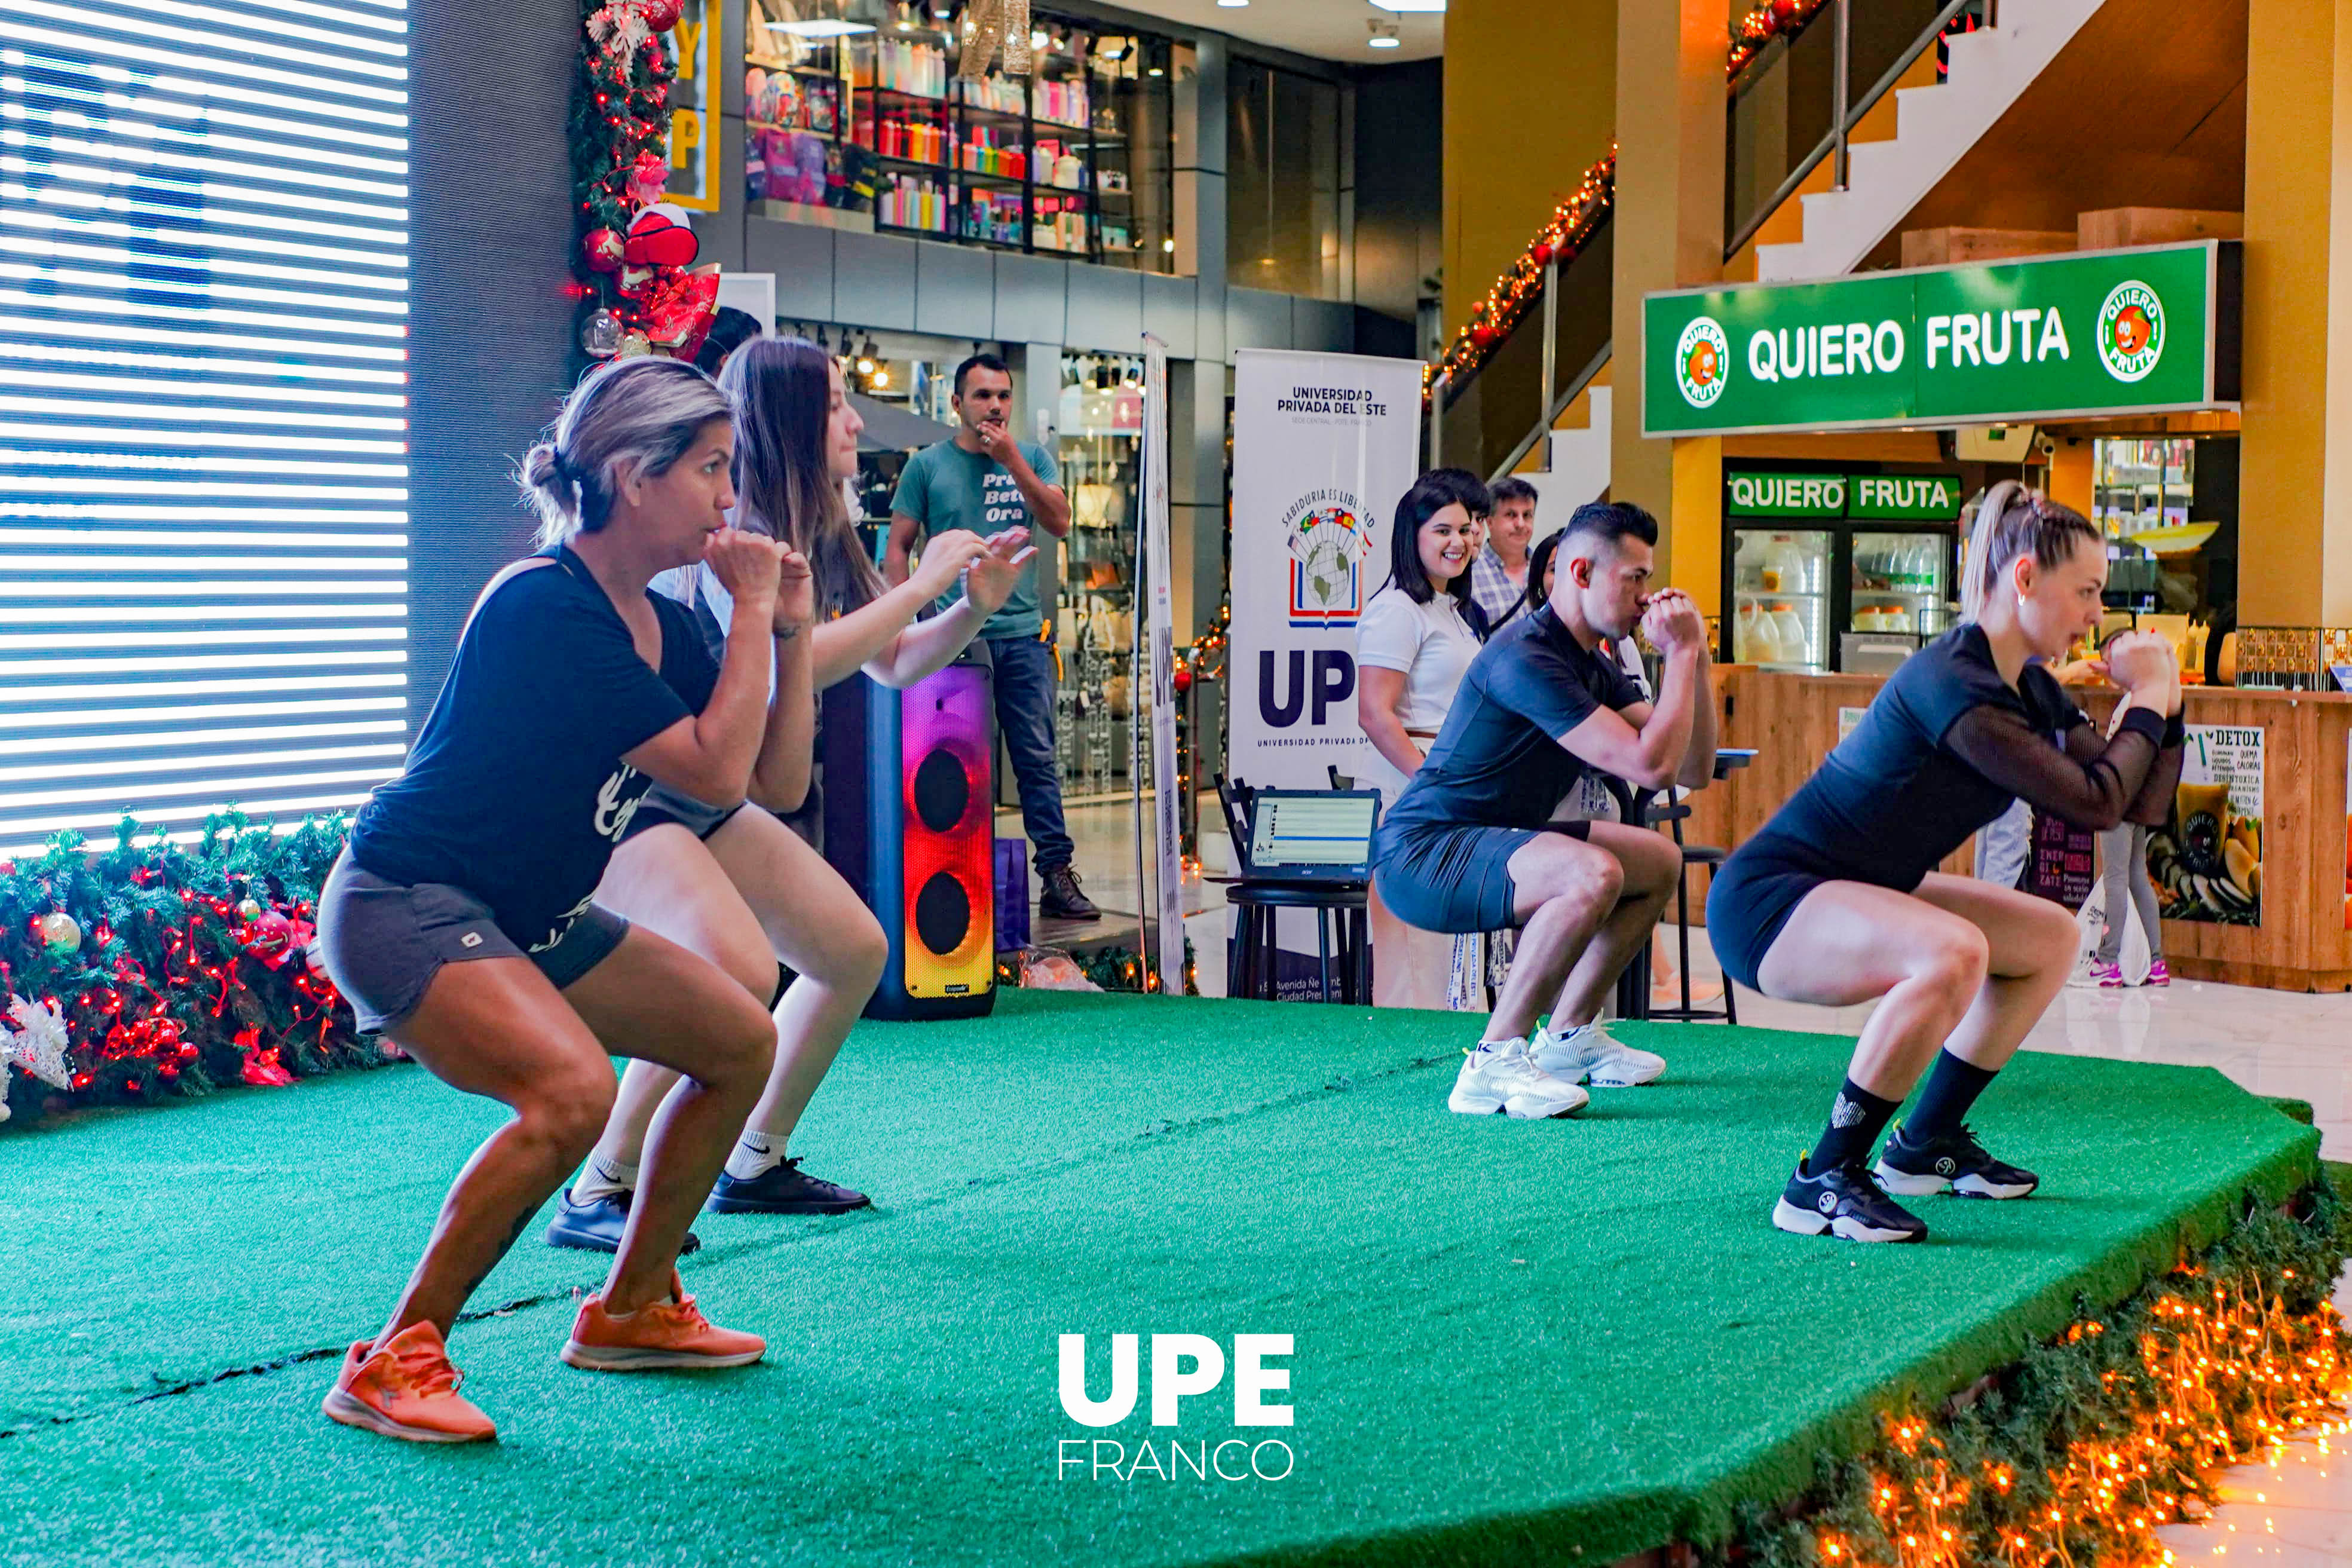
(836, 119)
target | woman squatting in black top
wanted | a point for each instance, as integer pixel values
(1837, 901)
(462, 918)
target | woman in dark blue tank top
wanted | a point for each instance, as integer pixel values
(1837, 900)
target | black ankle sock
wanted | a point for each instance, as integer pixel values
(1855, 1122)
(1952, 1088)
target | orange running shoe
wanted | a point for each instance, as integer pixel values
(672, 1333)
(407, 1390)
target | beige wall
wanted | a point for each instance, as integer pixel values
(1530, 102)
(1668, 234)
(2296, 474)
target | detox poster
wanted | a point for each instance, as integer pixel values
(2207, 859)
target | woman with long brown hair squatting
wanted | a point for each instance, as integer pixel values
(1837, 900)
(462, 921)
(735, 884)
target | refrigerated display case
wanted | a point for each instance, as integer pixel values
(1900, 580)
(1780, 599)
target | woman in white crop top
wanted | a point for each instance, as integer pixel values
(1416, 637)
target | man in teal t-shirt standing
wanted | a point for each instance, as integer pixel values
(985, 480)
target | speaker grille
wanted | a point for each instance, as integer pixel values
(941, 791)
(942, 913)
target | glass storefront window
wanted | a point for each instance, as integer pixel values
(1100, 428)
(854, 118)
(1283, 160)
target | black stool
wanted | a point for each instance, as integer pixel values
(1339, 934)
(1692, 855)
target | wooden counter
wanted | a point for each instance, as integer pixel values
(1791, 721)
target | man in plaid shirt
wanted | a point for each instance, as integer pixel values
(1499, 577)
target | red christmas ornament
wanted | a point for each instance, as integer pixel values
(661, 16)
(1182, 679)
(1542, 253)
(604, 248)
(1784, 12)
(1483, 335)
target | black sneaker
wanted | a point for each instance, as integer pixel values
(597, 1225)
(1955, 1161)
(1062, 900)
(1847, 1202)
(782, 1189)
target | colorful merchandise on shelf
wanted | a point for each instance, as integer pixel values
(912, 202)
(1001, 95)
(1062, 102)
(897, 65)
(992, 215)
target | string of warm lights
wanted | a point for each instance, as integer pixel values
(2078, 1455)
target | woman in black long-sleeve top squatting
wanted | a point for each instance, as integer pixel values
(1837, 900)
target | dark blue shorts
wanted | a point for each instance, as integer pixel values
(1455, 879)
(1750, 900)
(383, 943)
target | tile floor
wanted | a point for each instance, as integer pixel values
(2295, 1511)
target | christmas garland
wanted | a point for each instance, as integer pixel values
(2079, 1452)
(640, 289)
(1573, 221)
(157, 969)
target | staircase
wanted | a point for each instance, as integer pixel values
(1935, 127)
(1489, 418)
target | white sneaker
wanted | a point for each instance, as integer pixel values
(1587, 1054)
(1499, 1077)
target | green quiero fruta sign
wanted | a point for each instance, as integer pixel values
(1929, 498)
(2141, 331)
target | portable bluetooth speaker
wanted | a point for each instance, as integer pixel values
(909, 823)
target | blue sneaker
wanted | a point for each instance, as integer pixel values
(596, 1224)
(782, 1189)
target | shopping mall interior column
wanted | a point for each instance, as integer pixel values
(2298, 316)
(1669, 235)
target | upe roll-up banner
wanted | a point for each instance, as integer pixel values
(1324, 448)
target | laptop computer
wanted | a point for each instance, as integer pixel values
(1313, 835)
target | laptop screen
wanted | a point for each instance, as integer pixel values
(1311, 828)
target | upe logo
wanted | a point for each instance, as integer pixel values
(1702, 362)
(1328, 538)
(2131, 330)
(1183, 1367)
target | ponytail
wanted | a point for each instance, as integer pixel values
(2012, 520)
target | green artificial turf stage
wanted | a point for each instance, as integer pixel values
(1510, 1337)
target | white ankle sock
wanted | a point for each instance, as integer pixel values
(606, 1177)
(755, 1154)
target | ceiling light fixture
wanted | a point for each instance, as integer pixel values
(1155, 71)
(1384, 35)
(1233, 4)
(822, 27)
(1410, 5)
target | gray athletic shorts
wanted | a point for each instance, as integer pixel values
(383, 943)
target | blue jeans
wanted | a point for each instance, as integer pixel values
(1024, 716)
